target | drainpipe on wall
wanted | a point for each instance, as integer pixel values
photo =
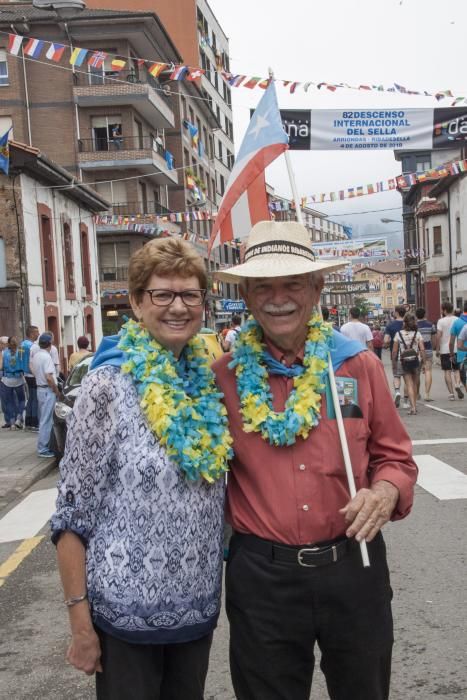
(26, 94)
(450, 249)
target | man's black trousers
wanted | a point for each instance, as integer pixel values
(277, 611)
(152, 671)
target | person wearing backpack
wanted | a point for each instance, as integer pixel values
(410, 349)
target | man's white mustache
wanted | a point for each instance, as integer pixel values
(272, 309)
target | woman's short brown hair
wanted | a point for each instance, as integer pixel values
(166, 257)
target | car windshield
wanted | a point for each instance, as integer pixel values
(79, 371)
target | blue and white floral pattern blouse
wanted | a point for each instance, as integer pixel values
(154, 540)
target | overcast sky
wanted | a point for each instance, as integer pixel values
(416, 43)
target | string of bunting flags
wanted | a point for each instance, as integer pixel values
(173, 217)
(77, 57)
(400, 182)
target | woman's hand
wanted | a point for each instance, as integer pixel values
(84, 652)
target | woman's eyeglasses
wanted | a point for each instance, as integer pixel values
(165, 297)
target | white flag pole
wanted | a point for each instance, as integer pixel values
(332, 379)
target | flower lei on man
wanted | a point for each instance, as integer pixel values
(180, 401)
(302, 408)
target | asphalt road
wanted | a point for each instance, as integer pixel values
(427, 557)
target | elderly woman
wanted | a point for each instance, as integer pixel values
(139, 520)
(409, 348)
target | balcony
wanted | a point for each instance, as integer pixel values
(125, 152)
(110, 89)
(113, 274)
(135, 208)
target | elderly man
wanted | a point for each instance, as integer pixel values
(45, 373)
(295, 574)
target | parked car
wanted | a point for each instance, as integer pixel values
(64, 406)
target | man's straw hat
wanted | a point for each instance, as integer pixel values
(278, 249)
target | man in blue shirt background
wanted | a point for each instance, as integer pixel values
(456, 328)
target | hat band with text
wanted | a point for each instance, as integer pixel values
(279, 248)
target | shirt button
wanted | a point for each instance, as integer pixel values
(305, 507)
(302, 467)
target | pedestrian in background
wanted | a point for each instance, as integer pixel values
(461, 355)
(45, 373)
(3, 345)
(232, 333)
(409, 347)
(356, 330)
(378, 340)
(392, 328)
(31, 421)
(449, 363)
(54, 354)
(83, 351)
(13, 385)
(428, 332)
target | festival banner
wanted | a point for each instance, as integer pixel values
(350, 249)
(364, 129)
(343, 287)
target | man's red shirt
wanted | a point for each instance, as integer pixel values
(293, 494)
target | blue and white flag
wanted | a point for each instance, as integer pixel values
(4, 152)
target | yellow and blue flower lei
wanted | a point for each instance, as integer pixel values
(302, 409)
(180, 401)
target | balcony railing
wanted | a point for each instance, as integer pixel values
(120, 143)
(108, 77)
(130, 208)
(113, 274)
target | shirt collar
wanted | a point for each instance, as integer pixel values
(279, 355)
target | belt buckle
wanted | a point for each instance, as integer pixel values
(303, 551)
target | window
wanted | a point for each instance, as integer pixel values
(437, 241)
(222, 184)
(458, 235)
(389, 285)
(422, 165)
(427, 242)
(69, 275)
(48, 267)
(103, 129)
(113, 260)
(85, 260)
(388, 301)
(5, 124)
(143, 197)
(3, 68)
(220, 152)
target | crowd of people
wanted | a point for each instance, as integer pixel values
(29, 388)
(415, 345)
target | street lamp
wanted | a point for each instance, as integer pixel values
(391, 221)
(64, 8)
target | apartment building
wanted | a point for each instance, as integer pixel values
(435, 225)
(386, 285)
(202, 43)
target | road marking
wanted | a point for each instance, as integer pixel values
(443, 410)
(15, 559)
(441, 480)
(27, 518)
(441, 441)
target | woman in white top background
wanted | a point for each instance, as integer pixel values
(409, 337)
